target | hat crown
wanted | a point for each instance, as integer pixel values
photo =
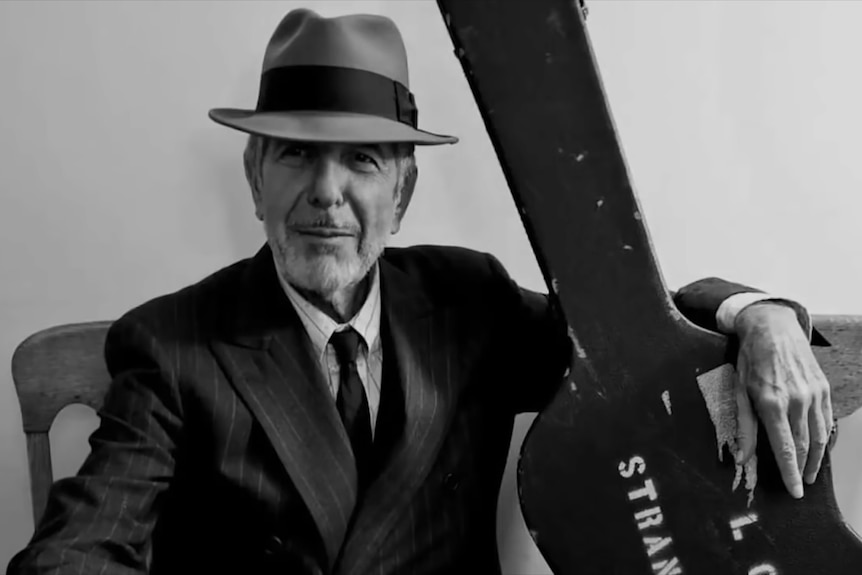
(359, 41)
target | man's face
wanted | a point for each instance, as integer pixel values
(329, 209)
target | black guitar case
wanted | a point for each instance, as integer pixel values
(629, 469)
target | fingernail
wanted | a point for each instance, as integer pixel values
(796, 491)
(810, 478)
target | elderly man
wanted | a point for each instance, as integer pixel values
(333, 406)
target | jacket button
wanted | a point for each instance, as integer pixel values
(450, 482)
(273, 545)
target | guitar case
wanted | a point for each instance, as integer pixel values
(629, 469)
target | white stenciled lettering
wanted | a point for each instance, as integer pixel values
(651, 517)
(763, 569)
(655, 544)
(670, 567)
(636, 463)
(648, 490)
(737, 524)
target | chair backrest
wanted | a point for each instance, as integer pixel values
(51, 369)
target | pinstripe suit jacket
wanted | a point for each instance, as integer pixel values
(220, 448)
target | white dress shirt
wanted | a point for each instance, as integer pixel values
(366, 322)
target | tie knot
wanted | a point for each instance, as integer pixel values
(346, 344)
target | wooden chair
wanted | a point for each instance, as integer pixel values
(51, 369)
(63, 365)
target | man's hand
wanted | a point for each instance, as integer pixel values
(781, 378)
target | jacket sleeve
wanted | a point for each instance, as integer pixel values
(699, 301)
(100, 520)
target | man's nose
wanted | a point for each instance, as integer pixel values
(327, 186)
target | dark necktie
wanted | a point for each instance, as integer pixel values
(351, 401)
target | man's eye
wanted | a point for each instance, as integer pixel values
(365, 159)
(294, 152)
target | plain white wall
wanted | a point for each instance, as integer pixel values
(740, 122)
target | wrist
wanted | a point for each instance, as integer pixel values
(764, 314)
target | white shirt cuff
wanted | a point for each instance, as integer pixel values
(730, 308)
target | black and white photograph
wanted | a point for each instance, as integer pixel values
(396, 287)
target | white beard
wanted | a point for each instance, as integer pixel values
(326, 271)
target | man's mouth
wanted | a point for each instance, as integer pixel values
(323, 231)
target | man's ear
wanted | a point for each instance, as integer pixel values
(254, 177)
(258, 204)
(404, 197)
(254, 183)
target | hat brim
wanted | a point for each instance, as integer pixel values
(340, 127)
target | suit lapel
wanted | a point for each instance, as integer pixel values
(422, 343)
(271, 366)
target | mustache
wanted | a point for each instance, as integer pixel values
(324, 223)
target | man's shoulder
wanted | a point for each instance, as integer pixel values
(448, 271)
(200, 306)
(432, 259)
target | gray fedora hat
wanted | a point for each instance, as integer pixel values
(340, 79)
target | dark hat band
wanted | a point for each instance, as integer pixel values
(335, 89)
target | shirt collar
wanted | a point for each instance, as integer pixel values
(320, 326)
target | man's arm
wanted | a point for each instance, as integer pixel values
(100, 520)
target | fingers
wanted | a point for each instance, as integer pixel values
(798, 413)
(820, 423)
(746, 426)
(826, 402)
(817, 426)
(833, 436)
(783, 446)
